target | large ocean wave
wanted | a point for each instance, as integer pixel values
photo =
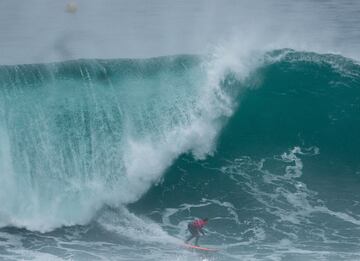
(79, 135)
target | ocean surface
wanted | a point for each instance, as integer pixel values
(117, 131)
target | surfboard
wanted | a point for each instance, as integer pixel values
(200, 248)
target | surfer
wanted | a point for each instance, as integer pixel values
(195, 228)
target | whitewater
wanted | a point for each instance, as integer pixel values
(122, 122)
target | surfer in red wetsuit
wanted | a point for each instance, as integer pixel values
(195, 229)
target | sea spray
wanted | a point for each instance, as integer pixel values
(81, 134)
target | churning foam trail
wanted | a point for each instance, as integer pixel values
(284, 195)
(131, 227)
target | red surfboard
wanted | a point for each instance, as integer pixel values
(200, 248)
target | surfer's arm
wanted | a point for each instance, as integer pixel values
(202, 231)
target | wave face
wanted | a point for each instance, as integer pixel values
(81, 134)
(304, 98)
(266, 146)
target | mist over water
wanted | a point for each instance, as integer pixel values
(42, 31)
(122, 121)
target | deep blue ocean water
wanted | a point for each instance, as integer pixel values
(109, 159)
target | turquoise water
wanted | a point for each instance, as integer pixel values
(109, 159)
